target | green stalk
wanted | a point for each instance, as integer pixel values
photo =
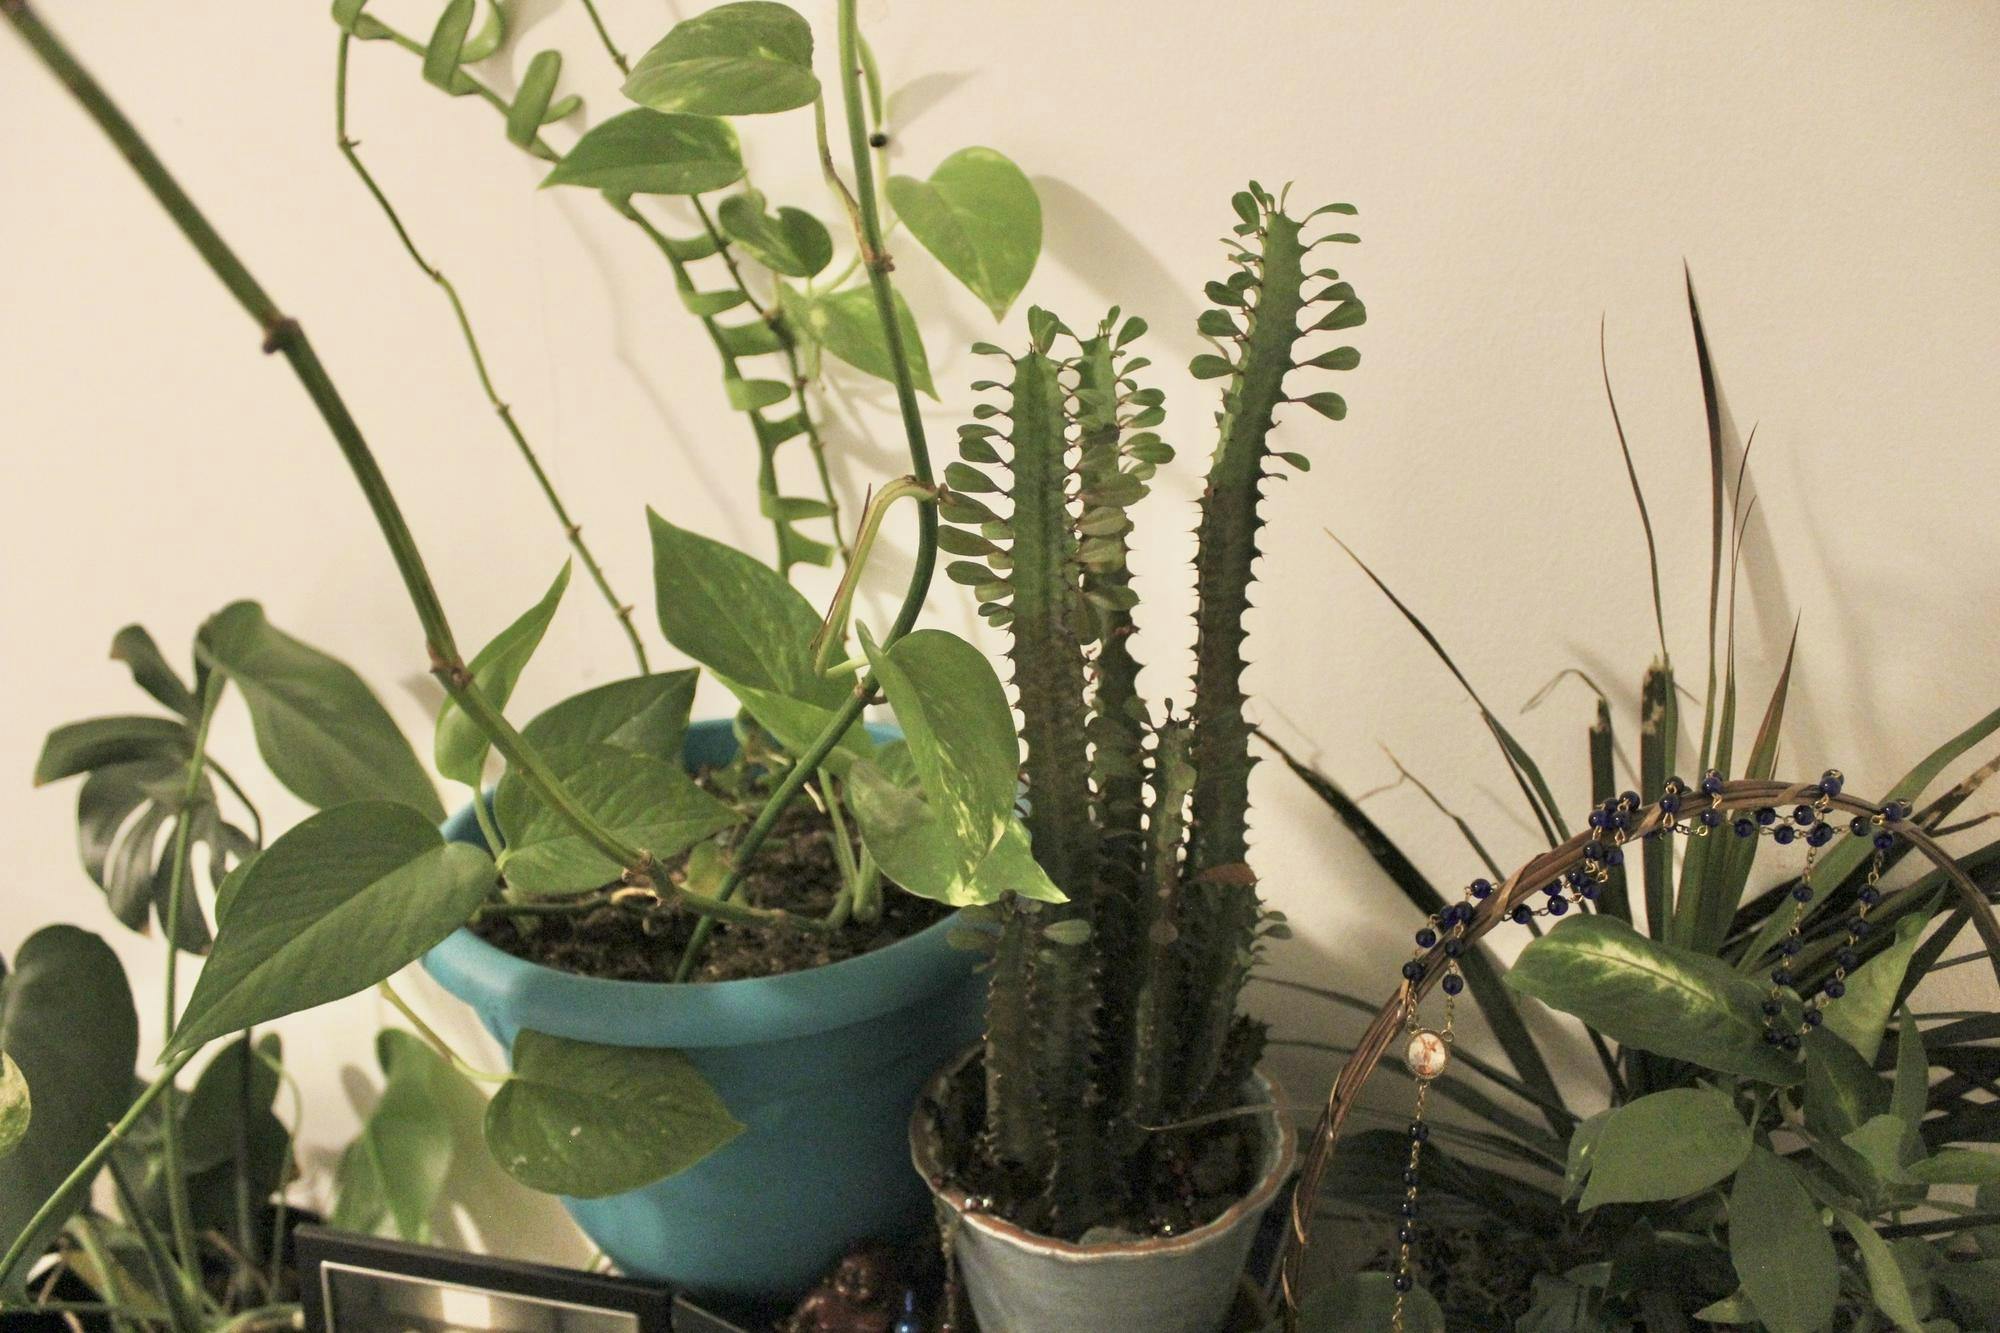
(86, 1170)
(571, 528)
(170, 1279)
(604, 36)
(925, 560)
(179, 1212)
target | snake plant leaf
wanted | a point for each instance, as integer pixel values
(589, 1121)
(393, 1174)
(792, 242)
(1365, 1303)
(16, 1105)
(496, 669)
(1644, 993)
(736, 616)
(69, 1030)
(847, 324)
(347, 898)
(920, 853)
(150, 670)
(960, 732)
(1846, 854)
(1666, 1145)
(79, 747)
(1860, 1016)
(1783, 1256)
(644, 714)
(321, 730)
(742, 59)
(650, 152)
(979, 216)
(650, 803)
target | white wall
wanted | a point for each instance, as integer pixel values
(1522, 170)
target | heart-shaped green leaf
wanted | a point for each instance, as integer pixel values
(1667, 1145)
(320, 728)
(589, 1121)
(394, 1171)
(1862, 1014)
(739, 59)
(650, 803)
(847, 324)
(342, 901)
(920, 853)
(1782, 1254)
(1651, 995)
(68, 1025)
(794, 243)
(644, 714)
(979, 215)
(650, 152)
(16, 1105)
(736, 616)
(496, 669)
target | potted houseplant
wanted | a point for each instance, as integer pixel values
(1102, 1158)
(597, 815)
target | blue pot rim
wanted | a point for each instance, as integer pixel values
(710, 1014)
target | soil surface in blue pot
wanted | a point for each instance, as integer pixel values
(822, 1064)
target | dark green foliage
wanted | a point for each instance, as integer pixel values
(1113, 1017)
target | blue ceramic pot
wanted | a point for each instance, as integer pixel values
(823, 1067)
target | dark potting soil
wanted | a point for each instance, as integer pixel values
(794, 870)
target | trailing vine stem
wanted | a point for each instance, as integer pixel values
(604, 36)
(571, 528)
(878, 264)
(284, 335)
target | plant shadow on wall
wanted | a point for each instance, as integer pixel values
(1782, 1148)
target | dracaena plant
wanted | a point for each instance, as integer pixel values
(1727, 1182)
(1112, 1015)
(594, 807)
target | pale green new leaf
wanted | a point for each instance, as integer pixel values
(589, 1121)
(320, 728)
(496, 669)
(920, 854)
(16, 1105)
(649, 803)
(1665, 1146)
(394, 1171)
(344, 900)
(1847, 853)
(848, 324)
(650, 152)
(738, 59)
(978, 214)
(793, 242)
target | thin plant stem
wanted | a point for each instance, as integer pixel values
(437, 1043)
(604, 36)
(572, 530)
(878, 264)
(171, 1279)
(179, 1214)
(482, 815)
(86, 1170)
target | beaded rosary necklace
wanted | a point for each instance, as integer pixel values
(1694, 813)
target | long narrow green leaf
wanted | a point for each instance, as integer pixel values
(1638, 494)
(1526, 773)
(1480, 974)
(1615, 898)
(1712, 411)
(1846, 854)
(1658, 723)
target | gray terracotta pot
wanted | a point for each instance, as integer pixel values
(1019, 1282)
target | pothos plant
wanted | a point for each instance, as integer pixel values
(595, 803)
(1112, 1023)
(1730, 1182)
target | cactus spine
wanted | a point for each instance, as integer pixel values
(1113, 1016)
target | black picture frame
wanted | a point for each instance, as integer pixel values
(350, 1283)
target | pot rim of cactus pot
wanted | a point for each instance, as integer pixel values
(1277, 1156)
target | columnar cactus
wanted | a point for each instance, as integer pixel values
(1113, 1017)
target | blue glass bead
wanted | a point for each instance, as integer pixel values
(1407, 1235)
(1792, 946)
(1453, 984)
(1674, 786)
(1819, 835)
(1791, 1042)
(1521, 915)
(1814, 1018)
(1553, 888)
(1419, 1132)
(1629, 799)
(1896, 810)
(1803, 815)
(1413, 971)
(1802, 893)
(1783, 835)
(1846, 959)
(1557, 906)
(1781, 977)
(1410, 1177)
(1868, 894)
(1480, 888)
(1711, 783)
(1576, 879)
(1832, 781)
(1426, 938)
(1597, 819)
(1858, 825)
(1711, 817)
(1593, 850)
(1766, 816)
(1614, 857)
(1671, 804)
(1771, 1008)
(1745, 827)
(1772, 1036)
(1403, 1282)
(1408, 1208)
(1653, 833)
(1884, 840)
(1859, 928)
(1835, 989)
(1454, 947)
(1589, 891)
